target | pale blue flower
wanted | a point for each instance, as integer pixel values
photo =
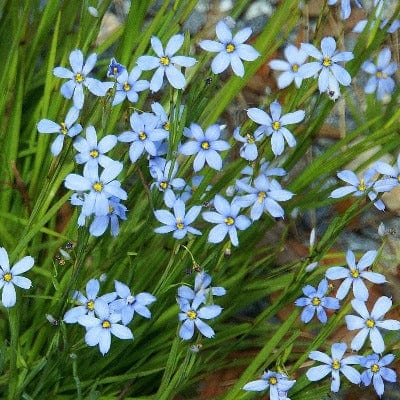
(354, 275)
(391, 177)
(334, 365)
(115, 69)
(274, 125)
(87, 303)
(63, 129)
(143, 136)
(345, 8)
(380, 81)
(100, 188)
(370, 323)
(92, 153)
(227, 219)
(205, 145)
(377, 371)
(358, 186)
(330, 72)
(78, 78)
(99, 330)
(178, 222)
(202, 292)
(192, 316)
(128, 86)
(263, 196)
(231, 50)
(10, 277)
(100, 223)
(248, 151)
(290, 68)
(316, 301)
(128, 304)
(165, 63)
(278, 384)
(192, 186)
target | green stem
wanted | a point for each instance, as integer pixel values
(14, 345)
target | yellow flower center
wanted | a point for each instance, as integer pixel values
(142, 135)
(370, 323)
(163, 185)
(230, 47)
(90, 305)
(276, 125)
(381, 75)
(166, 126)
(110, 209)
(179, 223)
(7, 276)
(191, 314)
(316, 301)
(336, 364)
(164, 61)
(97, 187)
(115, 70)
(327, 62)
(205, 145)
(130, 299)
(229, 221)
(127, 86)
(94, 153)
(261, 196)
(354, 273)
(375, 368)
(64, 129)
(106, 324)
(272, 380)
(295, 67)
(362, 186)
(250, 138)
(79, 78)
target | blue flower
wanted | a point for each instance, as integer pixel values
(278, 384)
(263, 196)
(99, 330)
(376, 371)
(128, 86)
(231, 50)
(391, 176)
(227, 219)
(315, 302)
(370, 323)
(116, 211)
(331, 73)
(12, 277)
(165, 61)
(192, 316)
(334, 365)
(249, 150)
(87, 303)
(143, 136)
(92, 153)
(128, 304)
(100, 188)
(354, 275)
(345, 8)
(275, 125)
(115, 69)
(205, 145)
(78, 78)
(202, 293)
(295, 58)
(358, 186)
(179, 222)
(380, 81)
(63, 129)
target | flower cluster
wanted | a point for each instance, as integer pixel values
(197, 304)
(100, 315)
